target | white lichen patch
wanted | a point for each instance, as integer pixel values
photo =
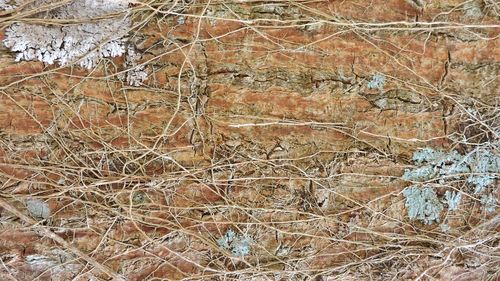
(6, 5)
(91, 30)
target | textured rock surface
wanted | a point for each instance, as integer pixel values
(259, 119)
(99, 35)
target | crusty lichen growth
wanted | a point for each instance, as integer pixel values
(480, 167)
(453, 199)
(489, 203)
(6, 5)
(238, 245)
(99, 32)
(423, 204)
(38, 209)
(377, 82)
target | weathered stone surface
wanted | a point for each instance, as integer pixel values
(256, 117)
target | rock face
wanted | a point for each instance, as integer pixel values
(287, 124)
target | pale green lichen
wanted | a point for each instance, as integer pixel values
(377, 82)
(238, 245)
(452, 199)
(428, 155)
(423, 204)
(489, 202)
(480, 165)
(479, 168)
(419, 174)
(485, 164)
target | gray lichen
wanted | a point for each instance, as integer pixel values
(38, 209)
(85, 42)
(238, 245)
(422, 204)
